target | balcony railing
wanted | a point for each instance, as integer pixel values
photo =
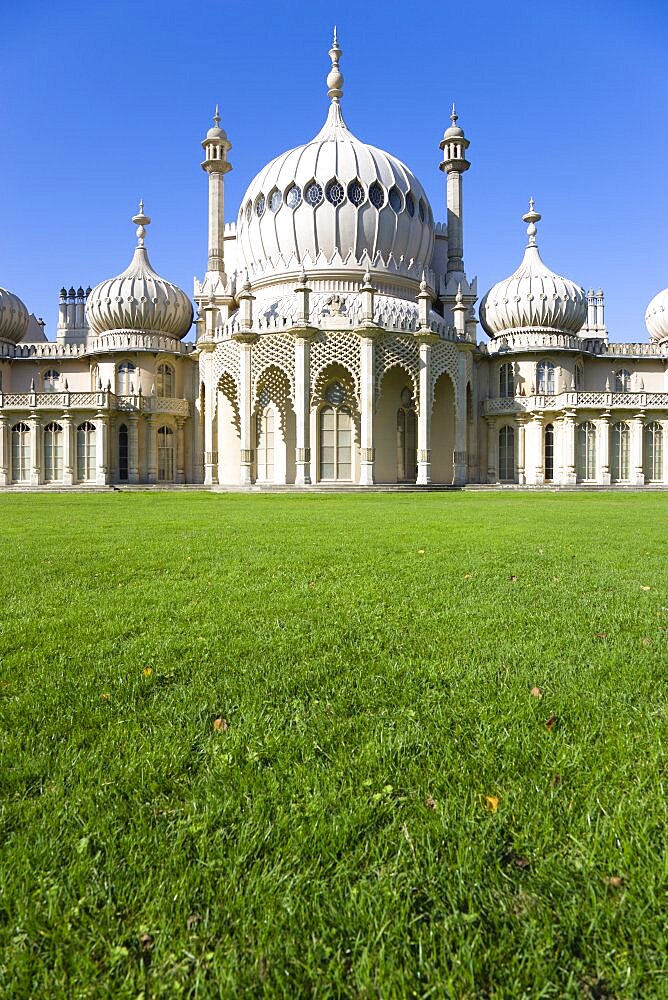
(580, 400)
(94, 401)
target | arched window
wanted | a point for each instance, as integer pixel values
(85, 452)
(123, 453)
(165, 455)
(506, 380)
(335, 438)
(623, 380)
(165, 381)
(545, 378)
(265, 444)
(621, 451)
(549, 453)
(51, 380)
(125, 374)
(53, 453)
(653, 453)
(586, 451)
(579, 376)
(20, 452)
(406, 438)
(507, 454)
(94, 378)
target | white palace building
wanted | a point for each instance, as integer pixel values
(336, 343)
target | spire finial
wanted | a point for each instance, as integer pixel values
(216, 118)
(453, 114)
(532, 218)
(334, 77)
(141, 221)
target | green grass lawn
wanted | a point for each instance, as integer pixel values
(286, 746)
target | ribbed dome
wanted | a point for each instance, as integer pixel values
(335, 202)
(13, 317)
(656, 317)
(139, 299)
(534, 297)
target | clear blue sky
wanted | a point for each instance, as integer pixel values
(101, 103)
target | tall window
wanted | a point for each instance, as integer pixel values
(549, 453)
(579, 377)
(94, 378)
(165, 455)
(507, 380)
(586, 451)
(621, 451)
(406, 438)
(125, 378)
(123, 453)
(20, 452)
(85, 452)
(51, 380)
(265, 444)
(53, 453)
(653, 452)
(336, 436)
(507, 454)
(545, 377)
(165, 381)
(622, 380)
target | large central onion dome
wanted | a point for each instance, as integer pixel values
(13, 317)
(335, 203)
(139, 300)
(534, 298)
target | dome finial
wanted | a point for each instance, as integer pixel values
(532, 218)
(216, 118)
(334, 77)
(141, 221)
(453, 114)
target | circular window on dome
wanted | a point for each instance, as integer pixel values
(260, 205)
(421, 210)
(395, 199)
(275, 200)
(410, 204)
(356, 193)
(334, 193)
(335, 393)
(313, 194)
(249, 212)
(376, 195)
(294, 196)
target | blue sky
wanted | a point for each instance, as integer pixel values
(103, 103)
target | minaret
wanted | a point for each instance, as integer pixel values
(216, 147)
(454, 145)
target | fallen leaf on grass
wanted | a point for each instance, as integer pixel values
(512, 578)
(312, 584)
(551, 722)
(646, 641)
(601, 635)
(556, 781)
(192, 921)
(105, 696)
(645, 588)
(146, 941)
(510, 859)
(430, 802)
(492, 803)
(148, 671)
(468, 576)
(536, 692)
(220, 725)
(420, 552)
(616, 881)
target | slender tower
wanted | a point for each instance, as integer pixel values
(216, 147)
(454, 145)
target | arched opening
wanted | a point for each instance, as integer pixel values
(545, 381)
(51, 380)
(226, 433)
(442, 430)
(164, 382)
(275, 428)
(407, 440)
(586, 452)
(395, 428)
(335, 437)
(20, 453)
(53, 453)
(165, 455)
(620, 465)
(125, 377)
(266, 445)
(507, 380)
(549, 453)
(85, 452)
(653, 452)
(507, 455)
(622, 380)
(123, 453)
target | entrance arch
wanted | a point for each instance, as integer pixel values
(443, 430)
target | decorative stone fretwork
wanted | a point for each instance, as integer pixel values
(247, 456)
(397, 352)
(335, 349)
(274, 351)
(227, 385)
(273, 387)
(443, 360)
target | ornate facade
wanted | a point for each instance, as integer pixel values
(336, 343)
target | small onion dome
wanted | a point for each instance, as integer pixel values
(13, 317)
(139, 299)
(656, 317)
(533, 298)
(216, 132)
(453, 131)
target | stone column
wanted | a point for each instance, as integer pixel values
(4, 452)
(637, 468)
(35, 450)
(151, 450)
(68, 456)
(101, 445)
(245, 340)
(426, 340)
(180, 453)
(603, 425)
(367, 394)
(492, 451)
(568, 474)
(133, 448)
(534, 447)
(210, 444)
(521, 451)
(303, 339)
